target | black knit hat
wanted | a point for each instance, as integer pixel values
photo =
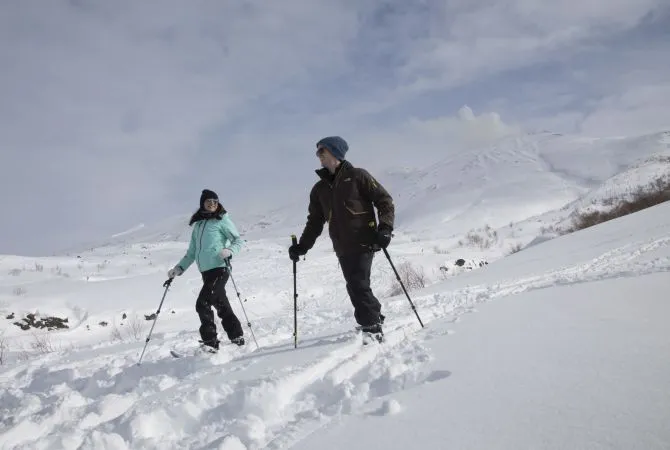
(206, 195)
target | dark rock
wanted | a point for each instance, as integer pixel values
(23, 326)
(50, 323)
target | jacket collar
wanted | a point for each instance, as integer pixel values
(325, 174)
(204, 215)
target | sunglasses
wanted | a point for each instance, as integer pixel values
(211, 201)
(321, 150)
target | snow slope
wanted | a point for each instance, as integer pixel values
(515, 179)
(561, 345)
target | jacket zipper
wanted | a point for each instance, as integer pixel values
(333, 186)
(202, 232)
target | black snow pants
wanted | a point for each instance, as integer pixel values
(356, 269)
(213, 294)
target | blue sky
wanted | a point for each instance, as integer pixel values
(118, 113)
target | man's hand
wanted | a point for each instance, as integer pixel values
(384, 235)
(295, 251)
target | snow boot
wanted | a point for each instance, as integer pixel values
(210, 346)
(371, 332)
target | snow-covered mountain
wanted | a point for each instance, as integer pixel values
(568, 347)
(518, 178)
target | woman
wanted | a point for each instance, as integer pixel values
(214, 241)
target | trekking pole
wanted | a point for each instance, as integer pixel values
(403, 286)
(166, 285)
(294, 240)
(230, 271)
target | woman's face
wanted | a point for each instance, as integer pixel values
(211, 205)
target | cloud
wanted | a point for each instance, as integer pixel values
(626, 75)
(116, 113)
(104, 105)
(419, 142)
(639, 110)
(486, 37)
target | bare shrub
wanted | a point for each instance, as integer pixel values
(654, 193)
(474, 239)
(515, 248)
(439, 251)
(443, 273)
(19, 291)
(39, 267)
(135, 327)
(4, 348)
(115, 334)
(42, 343)
(412, 277)
(22, 355)
(15, 272)
(548, 229)
(481, 237)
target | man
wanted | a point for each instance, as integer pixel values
(345, 197)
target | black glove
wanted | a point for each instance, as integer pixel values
(296, 251)
(384, 235)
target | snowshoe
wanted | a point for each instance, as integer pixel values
(209, 349)
(210, 346)
(372, 337)
(372, 333)
(381, 322)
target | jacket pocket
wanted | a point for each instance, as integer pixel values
(355, 208)
(359, 218)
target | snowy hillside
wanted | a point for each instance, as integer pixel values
(520, 177)
(562, 345)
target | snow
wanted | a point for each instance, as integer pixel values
(574, 366)
(563, 344)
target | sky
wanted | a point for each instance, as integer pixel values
(120, 113)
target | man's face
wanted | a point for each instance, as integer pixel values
(327, 159)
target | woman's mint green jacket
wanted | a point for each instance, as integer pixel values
(208, 238)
